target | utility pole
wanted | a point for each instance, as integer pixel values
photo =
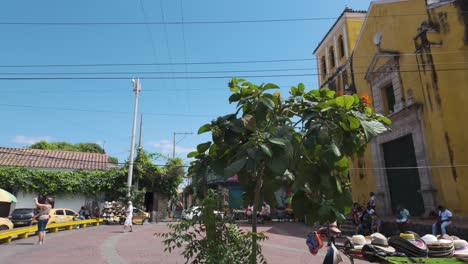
(141, 127)
(136, 89)
(174, 143)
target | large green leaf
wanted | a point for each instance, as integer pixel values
(269, 86)
(338, 184)
(278, 163)
(201, 148)
(326, 213)
(192, 154)
(335, 149)
(249, 122)
(234, 98)
(267, 102)
(343, 202)
(340, 101)
(384, 119)
(342, 163)
(266, 150)
(353, 122)
(348, 101)
(372, 128)
(235, 167)
(300, 88)
(204, 128)
(278, 141)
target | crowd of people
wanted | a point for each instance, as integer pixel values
(367, 221)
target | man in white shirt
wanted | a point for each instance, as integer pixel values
(445, 219)
(129, 215)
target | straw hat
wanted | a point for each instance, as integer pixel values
(430, 239)
(461, 248)
(358, 241)
(381, 242)
(438, 247)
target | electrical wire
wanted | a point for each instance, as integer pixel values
(366, 168)
(214, 62)
(209, 22)
(200, 77)
(102, 111)
(150, 33)
(218, 71)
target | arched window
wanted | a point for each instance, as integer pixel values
(331, 55)
(324, 67)
(341, 46)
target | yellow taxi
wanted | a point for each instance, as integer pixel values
(139, 217)
(60, 215)
(5, 224)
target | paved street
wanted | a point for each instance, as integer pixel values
(107, 244)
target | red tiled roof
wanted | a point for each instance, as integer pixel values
(53, 159)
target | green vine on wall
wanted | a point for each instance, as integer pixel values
(47, 182)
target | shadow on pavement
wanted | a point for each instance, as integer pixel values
(23, 244)
(299, 230)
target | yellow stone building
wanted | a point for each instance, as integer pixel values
(411, 58)
(334, 51)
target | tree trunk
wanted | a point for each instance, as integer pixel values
(258, 187)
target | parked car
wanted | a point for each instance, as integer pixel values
(196, 211)
(191, 213)
(60, 215)
(5, 224)
(23, 217)
(139, 217)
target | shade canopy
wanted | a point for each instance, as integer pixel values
(7, 197)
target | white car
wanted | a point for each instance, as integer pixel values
(196, 211)
(192, 212)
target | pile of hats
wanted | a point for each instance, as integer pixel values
(461, 248)
(410, 244)
(373, 248)
(439, 248)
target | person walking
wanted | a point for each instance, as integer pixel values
(42, 219)
(129, 215)
(444, 219)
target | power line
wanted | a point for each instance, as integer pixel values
(150, 64)
(145, 91)
(148, 29)
(213, 62)
(412, 168)
(153, 72)
(101, 111)
(198, 77)
(365, 168)
(217, 71)
(36, 23)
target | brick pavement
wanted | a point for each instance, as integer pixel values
(107, 244)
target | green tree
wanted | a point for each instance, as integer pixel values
(306, 138)
(210, 239)
(79, 147)
(164, 180)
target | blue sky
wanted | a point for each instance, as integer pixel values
(101, 110)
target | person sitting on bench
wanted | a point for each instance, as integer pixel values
(444, 219)
(403, 217)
